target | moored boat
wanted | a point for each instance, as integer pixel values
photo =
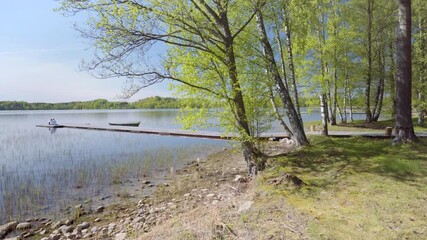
(131, 124)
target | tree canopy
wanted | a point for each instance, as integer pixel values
(255, 59)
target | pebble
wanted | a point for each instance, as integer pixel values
(14, 238)
(6, 228)
(120, 236)
(138, 219)
(24, 225)
(100, 209)
(57, 224)
(94, 229)
(245, 206)
(83, 225)
(66, 229)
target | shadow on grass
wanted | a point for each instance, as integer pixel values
(329, 160)
(380, 125)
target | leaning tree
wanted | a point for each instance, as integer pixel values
(201, 38)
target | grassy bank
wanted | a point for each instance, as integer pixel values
(356, 188)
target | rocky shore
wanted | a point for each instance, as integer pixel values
(196, 191)
(123, 221)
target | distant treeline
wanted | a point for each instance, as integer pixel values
(146, 103)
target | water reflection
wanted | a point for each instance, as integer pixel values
(52, 130)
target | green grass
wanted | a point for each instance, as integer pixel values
(357, 188)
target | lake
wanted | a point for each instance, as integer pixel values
(44, 172)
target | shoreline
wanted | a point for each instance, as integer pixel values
(99, 209)
(200, 192)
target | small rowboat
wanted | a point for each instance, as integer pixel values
(134, 124)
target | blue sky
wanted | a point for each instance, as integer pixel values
(39, 57)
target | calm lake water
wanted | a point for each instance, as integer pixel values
(43, 173)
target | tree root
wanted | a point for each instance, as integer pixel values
(288, 179)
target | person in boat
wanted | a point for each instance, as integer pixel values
(52, 122)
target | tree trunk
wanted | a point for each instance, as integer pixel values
(392, 79)
(282, 56)
(278, 116)
(380, 87)
(404, 127)
(346, 92)
(324, 114)
(351, 107)
(422, 69)
(254, 158)
(335, 105)
(294, 120)
(421, 115)
(291, 66)
(369, 76)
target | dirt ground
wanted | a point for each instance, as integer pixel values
(214, 199)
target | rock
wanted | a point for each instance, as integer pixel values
(84, 225)
(14, 238)
(7, 228)
(100, 209)
(43, 232)
(45, 238)
(66, 229)
(211, 195)
(80, 206)
(151, 185)
(186, 195)
(97, 220)
(120, 236)
(215, 202)
(240, 178)
(94, 229)
(24, 226)
(57, 224)
(138, 219)
(286, 141)
(28, 234)
(87, 236)
(245, 206)
(55, 236)
(146, 182)
(69, 222)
